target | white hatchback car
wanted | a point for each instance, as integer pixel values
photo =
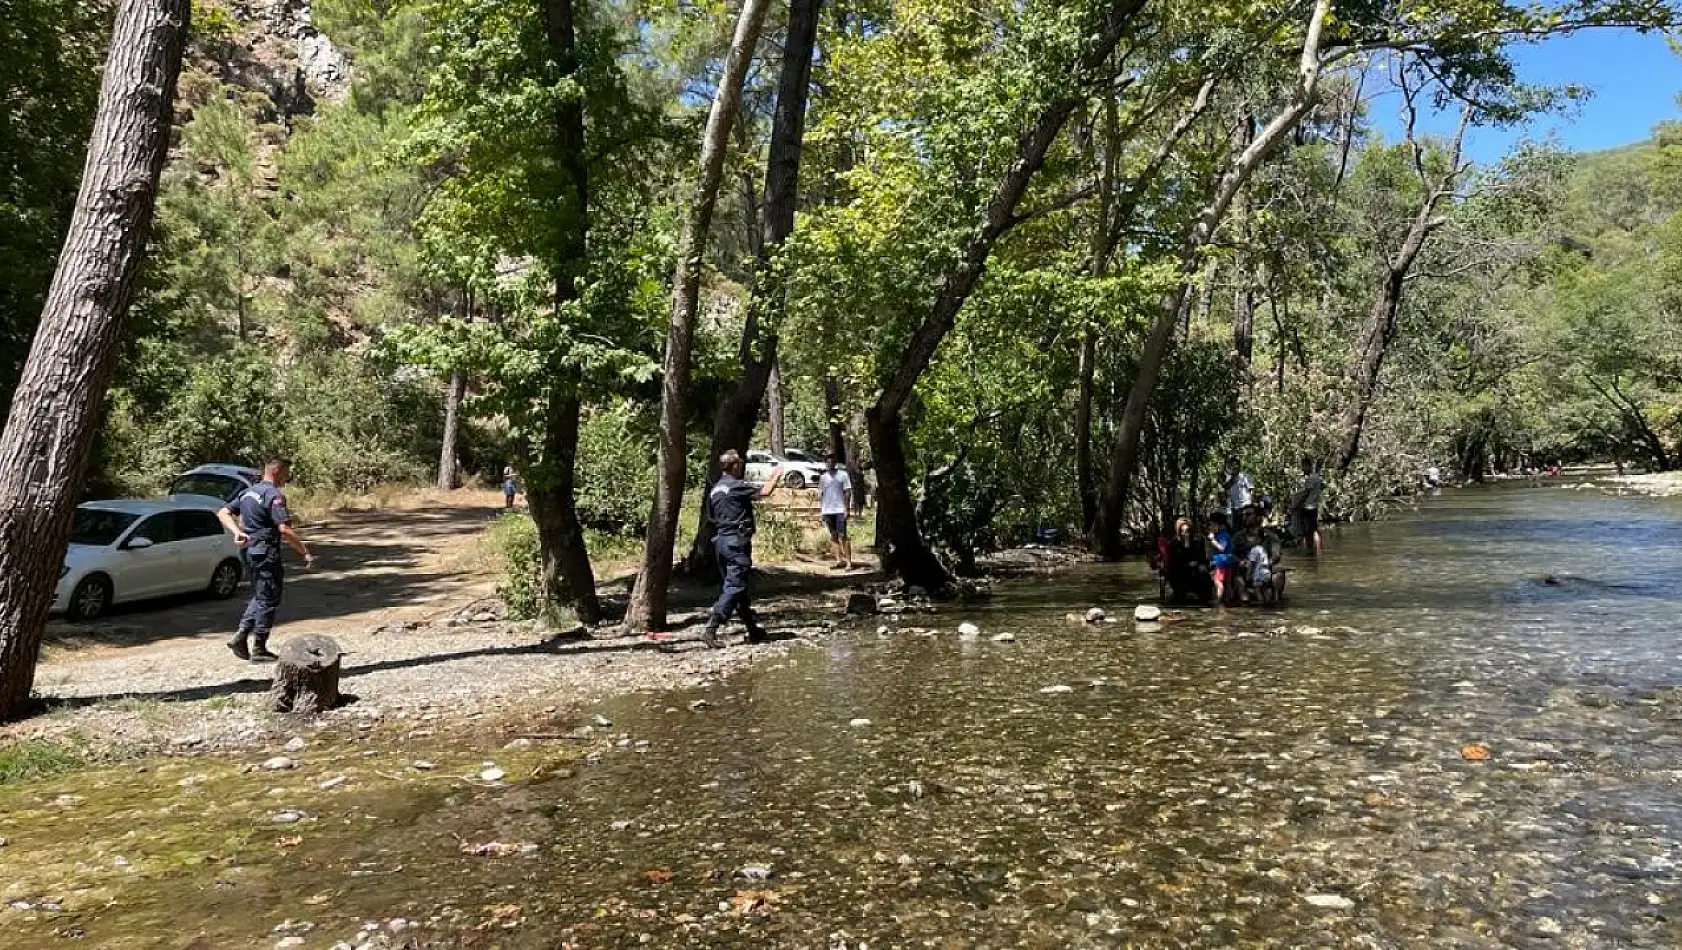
(131, 550)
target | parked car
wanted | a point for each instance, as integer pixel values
(217, 483)
(130, 550)
(796, 473)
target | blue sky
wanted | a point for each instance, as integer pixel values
(1634, 80)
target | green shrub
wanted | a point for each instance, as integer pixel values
(615, 470)
(512, 540)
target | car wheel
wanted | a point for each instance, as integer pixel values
(91, 598)
(225, 581)
(794, 480)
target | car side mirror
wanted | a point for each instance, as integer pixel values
(137, 544)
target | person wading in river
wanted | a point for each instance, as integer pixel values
(730, 504)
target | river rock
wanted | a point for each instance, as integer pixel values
(602, 721)
(492, 774)
(968, 631)
(1095, 615)
(286, 818)
(295, 744)
(279, 763)
(1329, 901)
(888, 605)
(859, 723)
(860, 604)
(285, 943)
(1004, 638)
(1058, 688)
(333, 783)
(1147, 613)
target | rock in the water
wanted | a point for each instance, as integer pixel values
(1095, 615)
(888, 605)
(286, 817)
(859, 723)
(755, 872)
(1058, 688)
(1147, 613)
(1329, 901)
(422, 766)
(602, 721)
(968, 631)
(333, 783)
(493, 774)
(279, 763)
(860, 604)
(1004, 638)
(296, 744)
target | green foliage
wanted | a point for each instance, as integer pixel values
(615, 477)
(28, 759)
(512, 541)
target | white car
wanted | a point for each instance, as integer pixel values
(130, 550)
(799, 470)
(212, 484)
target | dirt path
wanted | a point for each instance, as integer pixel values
(410, 596)
(371, 568)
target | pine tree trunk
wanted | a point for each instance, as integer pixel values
(647, 609)
(452, 423)
(761, 379)
(50, 428)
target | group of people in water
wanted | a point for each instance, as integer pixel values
(1237, 557)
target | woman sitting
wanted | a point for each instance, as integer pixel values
(1187, 566)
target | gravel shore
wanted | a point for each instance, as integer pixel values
(196, 696)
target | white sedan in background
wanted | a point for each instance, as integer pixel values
(800, 472)
(212, 484)
(131, 550)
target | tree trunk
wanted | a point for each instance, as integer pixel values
(1083, 432)
(306, 677)
(899, 538)
(647, 610)
(1124, 456)
(50, 427)
(1381, 324)
(774, 409)
(761, 379)
(567, 579)
(896, 521)
(452, 422)
(565, 575)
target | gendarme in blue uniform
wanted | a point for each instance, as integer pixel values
(730, 505)
(261, 510)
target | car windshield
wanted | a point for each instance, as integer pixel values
(99, 527)
(214, 486)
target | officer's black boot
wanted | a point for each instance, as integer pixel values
(757, 633)
(710, 636)
(260, 650)
(238, 645)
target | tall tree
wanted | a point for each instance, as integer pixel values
(50, 428)
(761, 379)
(1437, 186)
(1124, 455)
(647, 609)
(899, 539)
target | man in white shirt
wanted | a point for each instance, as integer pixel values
(835, 497)
(1240, 491)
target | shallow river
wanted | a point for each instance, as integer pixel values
(1246, 778)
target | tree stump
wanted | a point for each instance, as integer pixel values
(306, 677)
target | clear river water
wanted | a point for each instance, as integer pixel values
(1310, 776)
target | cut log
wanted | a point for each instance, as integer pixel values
(306, 677)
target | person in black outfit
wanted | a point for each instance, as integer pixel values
(1188, 565)
(263, 524)
(730, 505)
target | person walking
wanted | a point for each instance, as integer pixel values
(730, 505)
(261, 523)
(835, 499)
(510, 487)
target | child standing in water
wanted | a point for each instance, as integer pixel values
(510, 487)
(1220, 554)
